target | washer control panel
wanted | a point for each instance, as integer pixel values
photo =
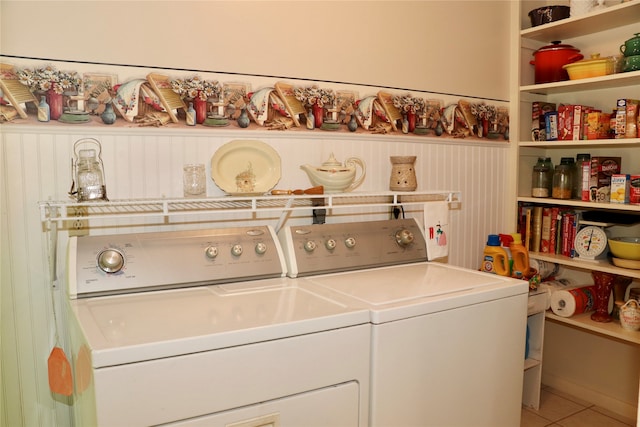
(125, 263)
(326, 248)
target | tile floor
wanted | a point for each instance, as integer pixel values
(561, 410)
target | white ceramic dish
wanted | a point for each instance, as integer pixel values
(246, 168)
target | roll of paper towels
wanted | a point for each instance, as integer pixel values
(566, 303)
(557, 285)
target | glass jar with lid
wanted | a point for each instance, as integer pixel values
(539, 181)
(563, 179)
(542, 178)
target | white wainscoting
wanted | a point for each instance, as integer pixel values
(147, 163)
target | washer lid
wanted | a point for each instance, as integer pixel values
(136, 327)
(410, 290)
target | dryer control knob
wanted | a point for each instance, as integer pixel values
(404, 237)
(236, 250)
(350, 242)
(310, 246)
(110, 260)
(211, 252)
(330, 244)
(261, 248)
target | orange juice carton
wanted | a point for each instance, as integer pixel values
(634, 189)
(602, 168)
(620, 185)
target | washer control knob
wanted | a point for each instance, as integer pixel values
(211, 252)
(404, 237)
(110, 260)
(236, 250)
(350, 242)
(310, 246)
(261, 248)
(330, 244)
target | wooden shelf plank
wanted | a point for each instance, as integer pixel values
(611, 329)
(594, 22)
(599, 265)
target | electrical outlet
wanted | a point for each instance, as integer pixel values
(78, 222)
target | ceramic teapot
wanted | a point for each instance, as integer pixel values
(336, 177)
(630, 315)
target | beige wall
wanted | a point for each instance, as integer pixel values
(458, 47)
(452, 47)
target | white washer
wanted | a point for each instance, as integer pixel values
(247, 347)
(447, 343)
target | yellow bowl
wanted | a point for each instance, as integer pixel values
(625, 247)
(594, 67)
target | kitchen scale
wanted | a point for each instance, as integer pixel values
(591, 241)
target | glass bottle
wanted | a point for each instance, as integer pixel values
(191, 115)
(353, 123)
(44, 114)
(563, 179)
(580, 181)
(405, 124)
(108, 116)
(243, 119)
(540, 182)
(311, 120)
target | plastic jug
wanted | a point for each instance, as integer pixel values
(495, 260)
(520, 256)
(505, 241)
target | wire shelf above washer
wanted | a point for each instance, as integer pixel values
(131, 208)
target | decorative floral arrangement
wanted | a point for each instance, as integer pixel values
(314, 95)
(408, 104)
(484, 111)
(48, 78)
(196, 88)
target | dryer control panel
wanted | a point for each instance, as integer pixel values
(327, 248)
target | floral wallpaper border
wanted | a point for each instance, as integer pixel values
(169, 98)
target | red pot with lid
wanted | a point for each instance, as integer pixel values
(548, 61)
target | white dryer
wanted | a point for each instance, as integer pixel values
(448, 343)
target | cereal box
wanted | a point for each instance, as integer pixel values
(551, 125)
(620, 184)
(572, 121)
(621, 123)
(538, 128)
(631, 128)
(598, 125)
(626, 117)
(634, 189)
(602, 168)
